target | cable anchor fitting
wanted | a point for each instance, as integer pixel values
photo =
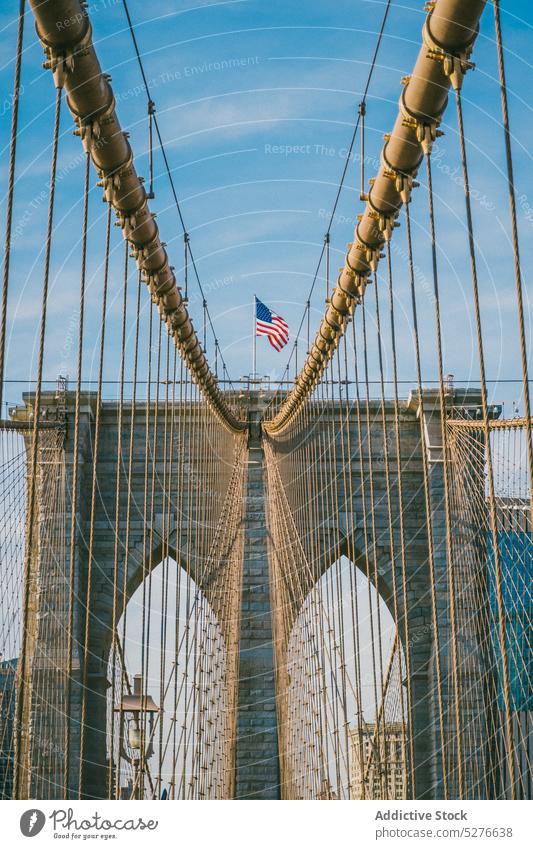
(60, 63)
(427, 131)
(455, 64)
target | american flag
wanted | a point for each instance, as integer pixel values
(267, 323)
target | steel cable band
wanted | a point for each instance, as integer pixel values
(449, 34)
(64, 29)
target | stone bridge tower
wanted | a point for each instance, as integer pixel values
(256, 757)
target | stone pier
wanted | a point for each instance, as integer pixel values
(257, 769)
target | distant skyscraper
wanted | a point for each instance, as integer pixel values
(8, 670)
(515, 544)
(378, 764)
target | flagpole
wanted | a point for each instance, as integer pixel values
(254, 338)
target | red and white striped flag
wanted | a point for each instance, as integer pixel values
(273, 326)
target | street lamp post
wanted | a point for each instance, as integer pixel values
(132, 706)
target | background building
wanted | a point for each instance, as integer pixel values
(378, 765)
(7, 714)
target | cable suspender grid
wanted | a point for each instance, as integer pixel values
(321, 590)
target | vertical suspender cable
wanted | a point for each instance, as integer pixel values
(327, 242)
(516, 246)
(22, 697)
(388, 488)
(75, 461)
(446, 483)
(186, 265)
(401, 504)
(126, 560)
(96, 446)
(502, 619)
(10, 193)
(117, 528)
(427, 502)
(362, 113)
(28, 564)
(151, 110)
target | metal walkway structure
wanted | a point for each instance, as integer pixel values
(316, 589)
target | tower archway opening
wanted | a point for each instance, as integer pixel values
(344, 698)
(169, 727)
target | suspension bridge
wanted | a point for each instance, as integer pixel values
(312, 587)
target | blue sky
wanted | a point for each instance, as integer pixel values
(256, 104)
